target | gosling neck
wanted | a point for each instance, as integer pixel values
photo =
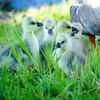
(28, 34)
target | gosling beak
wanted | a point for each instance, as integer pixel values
(39, 24)
(57, 46)
(73, 33)
(50, 32)
(74, 29)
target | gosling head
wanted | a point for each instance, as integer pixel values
(63, 26)
(76, 30)
(62, 41)
(49, 27)
(29, 24)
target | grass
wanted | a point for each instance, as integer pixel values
(47, 82)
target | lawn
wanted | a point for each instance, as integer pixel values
(46, 82)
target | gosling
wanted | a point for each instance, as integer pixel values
(71, 50)
(29, 25)
(30, 41)
(47, 33)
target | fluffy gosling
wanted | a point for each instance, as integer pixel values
(31, 42)
(70, 50)
(29, 25)
(47, 34)
(62, 52)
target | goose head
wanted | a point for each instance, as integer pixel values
(49, 26)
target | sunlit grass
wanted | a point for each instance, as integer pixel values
(46, 81)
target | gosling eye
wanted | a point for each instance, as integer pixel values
(53, 27)
(32, 23)
(68, 27)
(46, 27)
(62, 42)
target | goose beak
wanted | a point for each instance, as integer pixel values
(57, 46)
(39, 24)
(50, 32)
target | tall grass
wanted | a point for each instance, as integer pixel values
(46, 81)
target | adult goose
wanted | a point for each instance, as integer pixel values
(87, 12)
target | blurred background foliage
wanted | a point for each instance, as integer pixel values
(12, 12)
(39, 9)
(24, 4)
